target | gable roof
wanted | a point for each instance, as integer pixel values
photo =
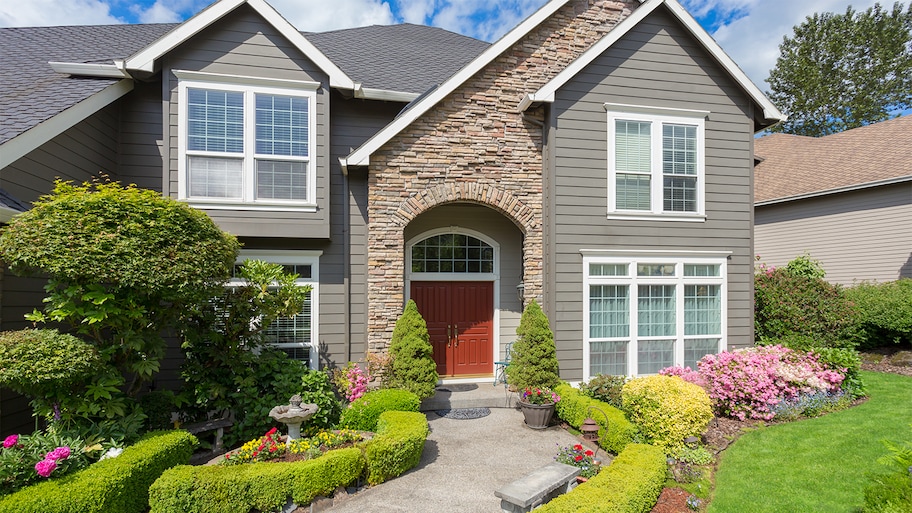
(361, 156)
(794, 167)
(771, 115)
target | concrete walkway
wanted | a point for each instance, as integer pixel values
(464, 461)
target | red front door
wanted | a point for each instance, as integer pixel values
(460, 321)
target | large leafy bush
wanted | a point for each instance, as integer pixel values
(533, 361)
(797, 301)
(605, 388)
(884, 311)
(124, 264)
(365, 411)
(667, 409)
(413, 367)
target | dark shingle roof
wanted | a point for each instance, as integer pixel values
(406, 58)
(795, 165)
(10, 202)
(31, 92)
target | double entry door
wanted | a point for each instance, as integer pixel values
(460, 321)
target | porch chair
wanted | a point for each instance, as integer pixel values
(500, 368)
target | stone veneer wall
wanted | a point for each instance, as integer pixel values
(474, 146)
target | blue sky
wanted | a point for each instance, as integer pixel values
(748, 30)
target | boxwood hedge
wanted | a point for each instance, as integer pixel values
(573, 408)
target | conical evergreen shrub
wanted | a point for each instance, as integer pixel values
(413, 368)
(533, 360)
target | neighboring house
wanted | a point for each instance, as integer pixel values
(597, 158)
(844, 198)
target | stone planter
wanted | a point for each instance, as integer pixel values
(537, 416)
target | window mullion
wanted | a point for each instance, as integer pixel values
(249, 146)
(657, 176)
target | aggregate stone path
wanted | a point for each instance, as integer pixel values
(463, 462)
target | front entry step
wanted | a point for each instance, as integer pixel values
(470, 395)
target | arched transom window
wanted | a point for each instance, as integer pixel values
(452, 253)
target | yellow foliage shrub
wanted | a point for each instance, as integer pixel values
(667, 409)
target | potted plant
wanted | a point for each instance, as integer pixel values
(533, 367)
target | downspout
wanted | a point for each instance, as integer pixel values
(346, 263)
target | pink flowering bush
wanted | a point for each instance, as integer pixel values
(27, 459)
(751, 382)
(352, 381)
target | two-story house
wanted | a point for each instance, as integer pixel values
(597, 158)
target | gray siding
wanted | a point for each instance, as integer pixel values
(142, 154)
(857, 236)
(245, 44)
(657, 64)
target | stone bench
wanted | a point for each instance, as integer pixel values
(537, 488)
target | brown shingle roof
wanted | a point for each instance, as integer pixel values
(794, 165)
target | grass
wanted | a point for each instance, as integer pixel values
(815, 465)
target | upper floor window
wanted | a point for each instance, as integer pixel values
(655, 161)
(246, 144)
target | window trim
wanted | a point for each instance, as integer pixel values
(679, 259)
(413, 276)
(250, 87)
(656, 116)
(291, 257)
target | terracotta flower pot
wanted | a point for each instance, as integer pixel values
(537, 416)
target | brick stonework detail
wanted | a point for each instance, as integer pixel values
(474, 146)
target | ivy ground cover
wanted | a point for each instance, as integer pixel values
(818, 464)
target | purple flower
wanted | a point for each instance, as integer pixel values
(45, 467)
(60, 453)
(10, 441)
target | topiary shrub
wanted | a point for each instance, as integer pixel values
(884, 311)
(44, 363)
(631, 484)
(118, 484)
(364, 413)
(264, 486)
(533, 361)
(397, 446)
(413, 367)
(574, 408)
(667, 409)
(605, 388)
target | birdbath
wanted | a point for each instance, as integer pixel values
(293, 415)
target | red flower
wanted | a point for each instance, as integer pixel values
(271, 432)
(589, 453)
(578, 458)
(577, 447)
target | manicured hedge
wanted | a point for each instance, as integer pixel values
(363, 413)
(397, 446)
(118, 484)
(263, 486)
(573, 408)
(630, 484)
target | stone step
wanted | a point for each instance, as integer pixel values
(469, 395)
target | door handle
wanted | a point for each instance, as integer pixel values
(455, 335)
(449, 337)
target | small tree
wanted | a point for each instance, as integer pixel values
(413, 367)
(124, 264)
(533, 361)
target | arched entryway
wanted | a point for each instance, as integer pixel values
(458, 274)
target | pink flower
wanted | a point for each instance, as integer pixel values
(10, 441)
(45, 467)
(60, 453)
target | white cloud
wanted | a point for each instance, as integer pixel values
(39, 13)
(322, 15)
(753, 40)
(483, 19)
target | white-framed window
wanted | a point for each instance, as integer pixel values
(643, 313)
(246, 142)
(656, 162)
(296, 335)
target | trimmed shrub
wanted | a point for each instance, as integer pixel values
(787, 303)
(413, 367)
(573, 408)
(605, 388)
(667, 409)
(364, 413)
(118, 484)
(533, 361)
(398, 445)
(42, 362)
(884, 311)
(631, 484)
(264, 486)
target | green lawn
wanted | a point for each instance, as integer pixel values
(815, 465)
